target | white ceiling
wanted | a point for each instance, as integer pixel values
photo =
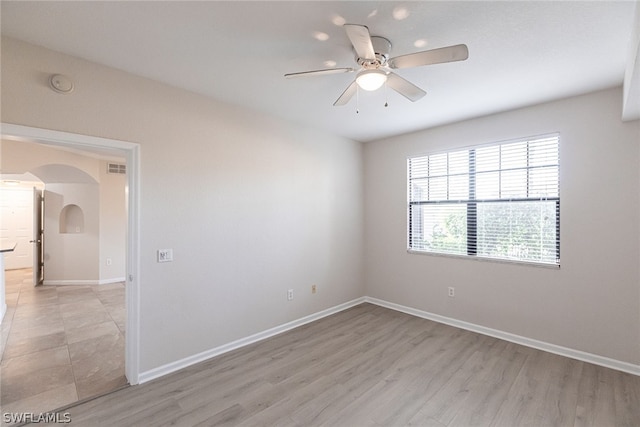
(520, 53)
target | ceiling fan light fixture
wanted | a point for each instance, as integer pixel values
(371, 79)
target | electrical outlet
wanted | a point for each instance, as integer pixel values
(452, 291)
(290, 294)
(109, 261)
(165, 255)
(313, 289)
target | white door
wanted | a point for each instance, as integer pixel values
(16, 226)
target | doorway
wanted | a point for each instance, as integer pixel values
(129, 151)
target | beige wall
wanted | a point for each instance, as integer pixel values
(18, 157)
(592, 303)
(251, 205)
(113, 222)
(68, 258)
(71, 257)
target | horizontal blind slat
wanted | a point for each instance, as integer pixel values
(499, 201)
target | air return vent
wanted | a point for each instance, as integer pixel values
(116, 168)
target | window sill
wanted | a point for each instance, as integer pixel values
(492, 260)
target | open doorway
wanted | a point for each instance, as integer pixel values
(71, 221)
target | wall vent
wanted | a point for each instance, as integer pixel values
(116, 168)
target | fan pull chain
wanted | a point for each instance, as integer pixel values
(357, 100)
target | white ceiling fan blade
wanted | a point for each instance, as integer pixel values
(458, 52)
(404, 87)
(361, 40)
(319, 72)
(346, 95)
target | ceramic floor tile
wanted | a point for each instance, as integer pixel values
(83, 320)
(95, 348)
(76, 298)
(38, 291)
(35, 373)
(80, 307)
(8, 318)
(30, 345)
(35, 311)
(90, 387)
(18, 334)
(59, 344)
(92, 331)
(97, 364)
(73, 289)
(44, 359)
(119, 315)
(110, 286)
(45, 401)
(112, 297)
(11, 298)
(75, 295)
(32, 300)
(36, 320)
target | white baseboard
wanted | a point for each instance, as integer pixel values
(200, 357)
(110, 281)
(528, 342)
(540, 345)
(82, 282)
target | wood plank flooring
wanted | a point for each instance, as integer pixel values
(370, 366)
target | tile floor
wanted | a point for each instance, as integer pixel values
(59, 344)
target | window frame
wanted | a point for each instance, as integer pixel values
(472, 203)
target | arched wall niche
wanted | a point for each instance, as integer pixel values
(71, 220)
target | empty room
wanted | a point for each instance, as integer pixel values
(350, 213)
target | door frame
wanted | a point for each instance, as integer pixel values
(131, 152)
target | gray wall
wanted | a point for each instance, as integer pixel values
(251, 205)
(592, 303)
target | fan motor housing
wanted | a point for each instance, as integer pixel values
(381, 48)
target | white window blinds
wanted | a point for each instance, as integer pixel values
(500, 201)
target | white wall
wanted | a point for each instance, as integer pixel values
(592, 303)
(250, 205)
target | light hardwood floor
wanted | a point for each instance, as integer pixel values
(370, 366)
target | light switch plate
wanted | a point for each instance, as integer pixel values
(165, 255)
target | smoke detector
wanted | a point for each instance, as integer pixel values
(60, 83)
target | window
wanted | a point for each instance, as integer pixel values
(499, 201)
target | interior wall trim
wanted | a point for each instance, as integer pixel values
(242, 342)
(517, 339)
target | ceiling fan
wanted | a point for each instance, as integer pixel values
(372, 55)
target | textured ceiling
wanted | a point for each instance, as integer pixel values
(520, 53)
